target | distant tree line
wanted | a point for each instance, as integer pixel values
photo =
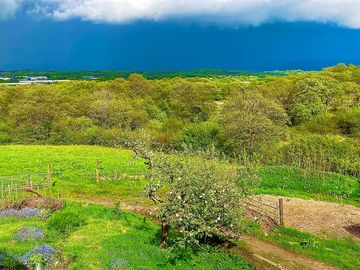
(302, 119)
(113, 74)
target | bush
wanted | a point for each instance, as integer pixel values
(252, 123)
(325, 123)
(66, 221)
(349, 122)
(198, 136)
(324, 153)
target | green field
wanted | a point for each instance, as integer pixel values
(74, 170)
(74, 173)
(125, 238)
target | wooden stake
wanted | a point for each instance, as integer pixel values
(281, 211)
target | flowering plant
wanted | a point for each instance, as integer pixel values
(29, 234)
(42, 254)
(22, 213)
(204, 195)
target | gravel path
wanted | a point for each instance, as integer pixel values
(318, 216)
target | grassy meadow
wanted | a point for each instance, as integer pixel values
(75, 178)
(74, 170)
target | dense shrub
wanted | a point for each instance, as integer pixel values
(199, 136)
(311, 96)
(324, 153)
(66, 221)
(325, 123)
(244, 117)
(203, 195)
(349, 122)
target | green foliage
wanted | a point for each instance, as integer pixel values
(238, 115)
(324, 123)
(349, 122)
(199, 136)
(203, 196)
(245, 117)
(252, 122)
(311, 96)
(324, 153)
(66, 221)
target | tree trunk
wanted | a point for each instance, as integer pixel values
(165, 235)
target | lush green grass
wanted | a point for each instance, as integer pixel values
(108, 237)
(293, 182)
(342, 252)
(74, 168)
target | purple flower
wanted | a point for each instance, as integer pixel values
(22, 213)
(46, 253)
(28, 234)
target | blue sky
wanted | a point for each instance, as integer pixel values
(151, 35)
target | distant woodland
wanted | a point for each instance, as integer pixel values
(307, 119)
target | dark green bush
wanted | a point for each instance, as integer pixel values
(66, 221)
(199, 136)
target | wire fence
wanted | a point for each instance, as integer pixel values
(12, 185)
(267, 211)
(102, 175)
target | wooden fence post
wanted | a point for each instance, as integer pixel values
(281, 211)
(97, 170)
(49, 175)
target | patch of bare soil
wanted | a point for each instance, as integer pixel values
(319, 217)
(33, 202)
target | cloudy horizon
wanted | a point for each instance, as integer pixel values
(138, 35)
(345, 13)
